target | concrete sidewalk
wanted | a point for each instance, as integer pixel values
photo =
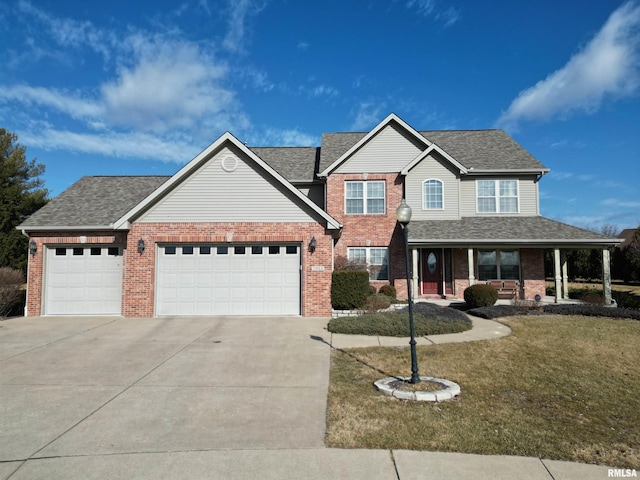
(189, 398)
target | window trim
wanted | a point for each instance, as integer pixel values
(367, 256)
(365, 197)
(424, 206)
(498, 197)
(498, 265)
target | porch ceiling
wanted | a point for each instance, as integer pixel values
(495, 230)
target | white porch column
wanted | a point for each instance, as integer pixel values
(606, 276)
(557, 274)
(414, 272)
(565, 276)
(472, 278)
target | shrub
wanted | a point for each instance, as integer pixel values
(389, 291)
(372, 290)
(377, 302)
(429, 319)
(349, 289)
(592, 311)
(11, 291)
(480, 295)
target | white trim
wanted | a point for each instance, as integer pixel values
(365, 196)
(390, 118)
(496, 182)
(441, 194)
(434, 148)
(207, 153)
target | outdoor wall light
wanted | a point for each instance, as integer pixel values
(312, 244)
(140, 246)
(33, 247)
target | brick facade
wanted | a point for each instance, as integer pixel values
(138, 282)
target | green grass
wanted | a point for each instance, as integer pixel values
(559, 387)
(429, 319)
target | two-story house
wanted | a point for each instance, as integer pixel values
(258, 231)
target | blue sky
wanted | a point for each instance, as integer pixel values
(121, 88)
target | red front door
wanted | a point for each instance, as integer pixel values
(431, 271)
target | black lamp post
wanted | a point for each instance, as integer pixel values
(403, 214)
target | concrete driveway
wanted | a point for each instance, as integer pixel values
(78, 387)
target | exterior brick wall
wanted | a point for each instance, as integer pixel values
(138, 283)
(532, 268)
(139, 271)
(374, 230)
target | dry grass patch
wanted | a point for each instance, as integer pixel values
(564, 388)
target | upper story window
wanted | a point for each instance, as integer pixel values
(497, 196)
(432, 194)
(364, 197)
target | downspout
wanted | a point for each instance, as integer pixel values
(26, 298)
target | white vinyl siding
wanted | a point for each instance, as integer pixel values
(365, 197)
(389, 151)
(433, 168)
(241, 193)
(83, 280)
(228, 279)
(376, 260)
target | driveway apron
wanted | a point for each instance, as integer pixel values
(100, 386)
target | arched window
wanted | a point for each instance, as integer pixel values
(432, 194)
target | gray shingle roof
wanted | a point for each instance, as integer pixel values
(94, 201)
(296, 164)
(477, 149)
(534, 230)
(483, 149)
(334, 145)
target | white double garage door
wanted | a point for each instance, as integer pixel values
(229, 279)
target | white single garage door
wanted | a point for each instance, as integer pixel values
(228, 280)
(84, 280)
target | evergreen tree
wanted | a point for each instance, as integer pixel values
(22, 192)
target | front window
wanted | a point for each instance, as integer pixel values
(375, 259)
(432, 195)
(498, 265)
(365, 197)
(497, 196)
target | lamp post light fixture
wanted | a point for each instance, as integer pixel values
(403, 215)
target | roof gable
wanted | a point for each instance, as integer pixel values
(391, 124)
(175, 190)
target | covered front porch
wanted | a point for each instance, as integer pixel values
(449, 256)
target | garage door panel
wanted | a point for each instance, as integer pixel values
(229, 280)
(82, 281)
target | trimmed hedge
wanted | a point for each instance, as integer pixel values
(349, 289)
(499, 311)
(429, 319)
(480, 295)
(389, 291)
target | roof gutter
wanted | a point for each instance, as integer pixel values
(607, 242)
(49, 228)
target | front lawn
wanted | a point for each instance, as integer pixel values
(429, 319)
(559, 387)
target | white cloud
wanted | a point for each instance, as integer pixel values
(73, 104)
(616, 202)
(608, 66)
(283, 138)
(430, 8)
(239, 12)
(367, 116)
(113, 144)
